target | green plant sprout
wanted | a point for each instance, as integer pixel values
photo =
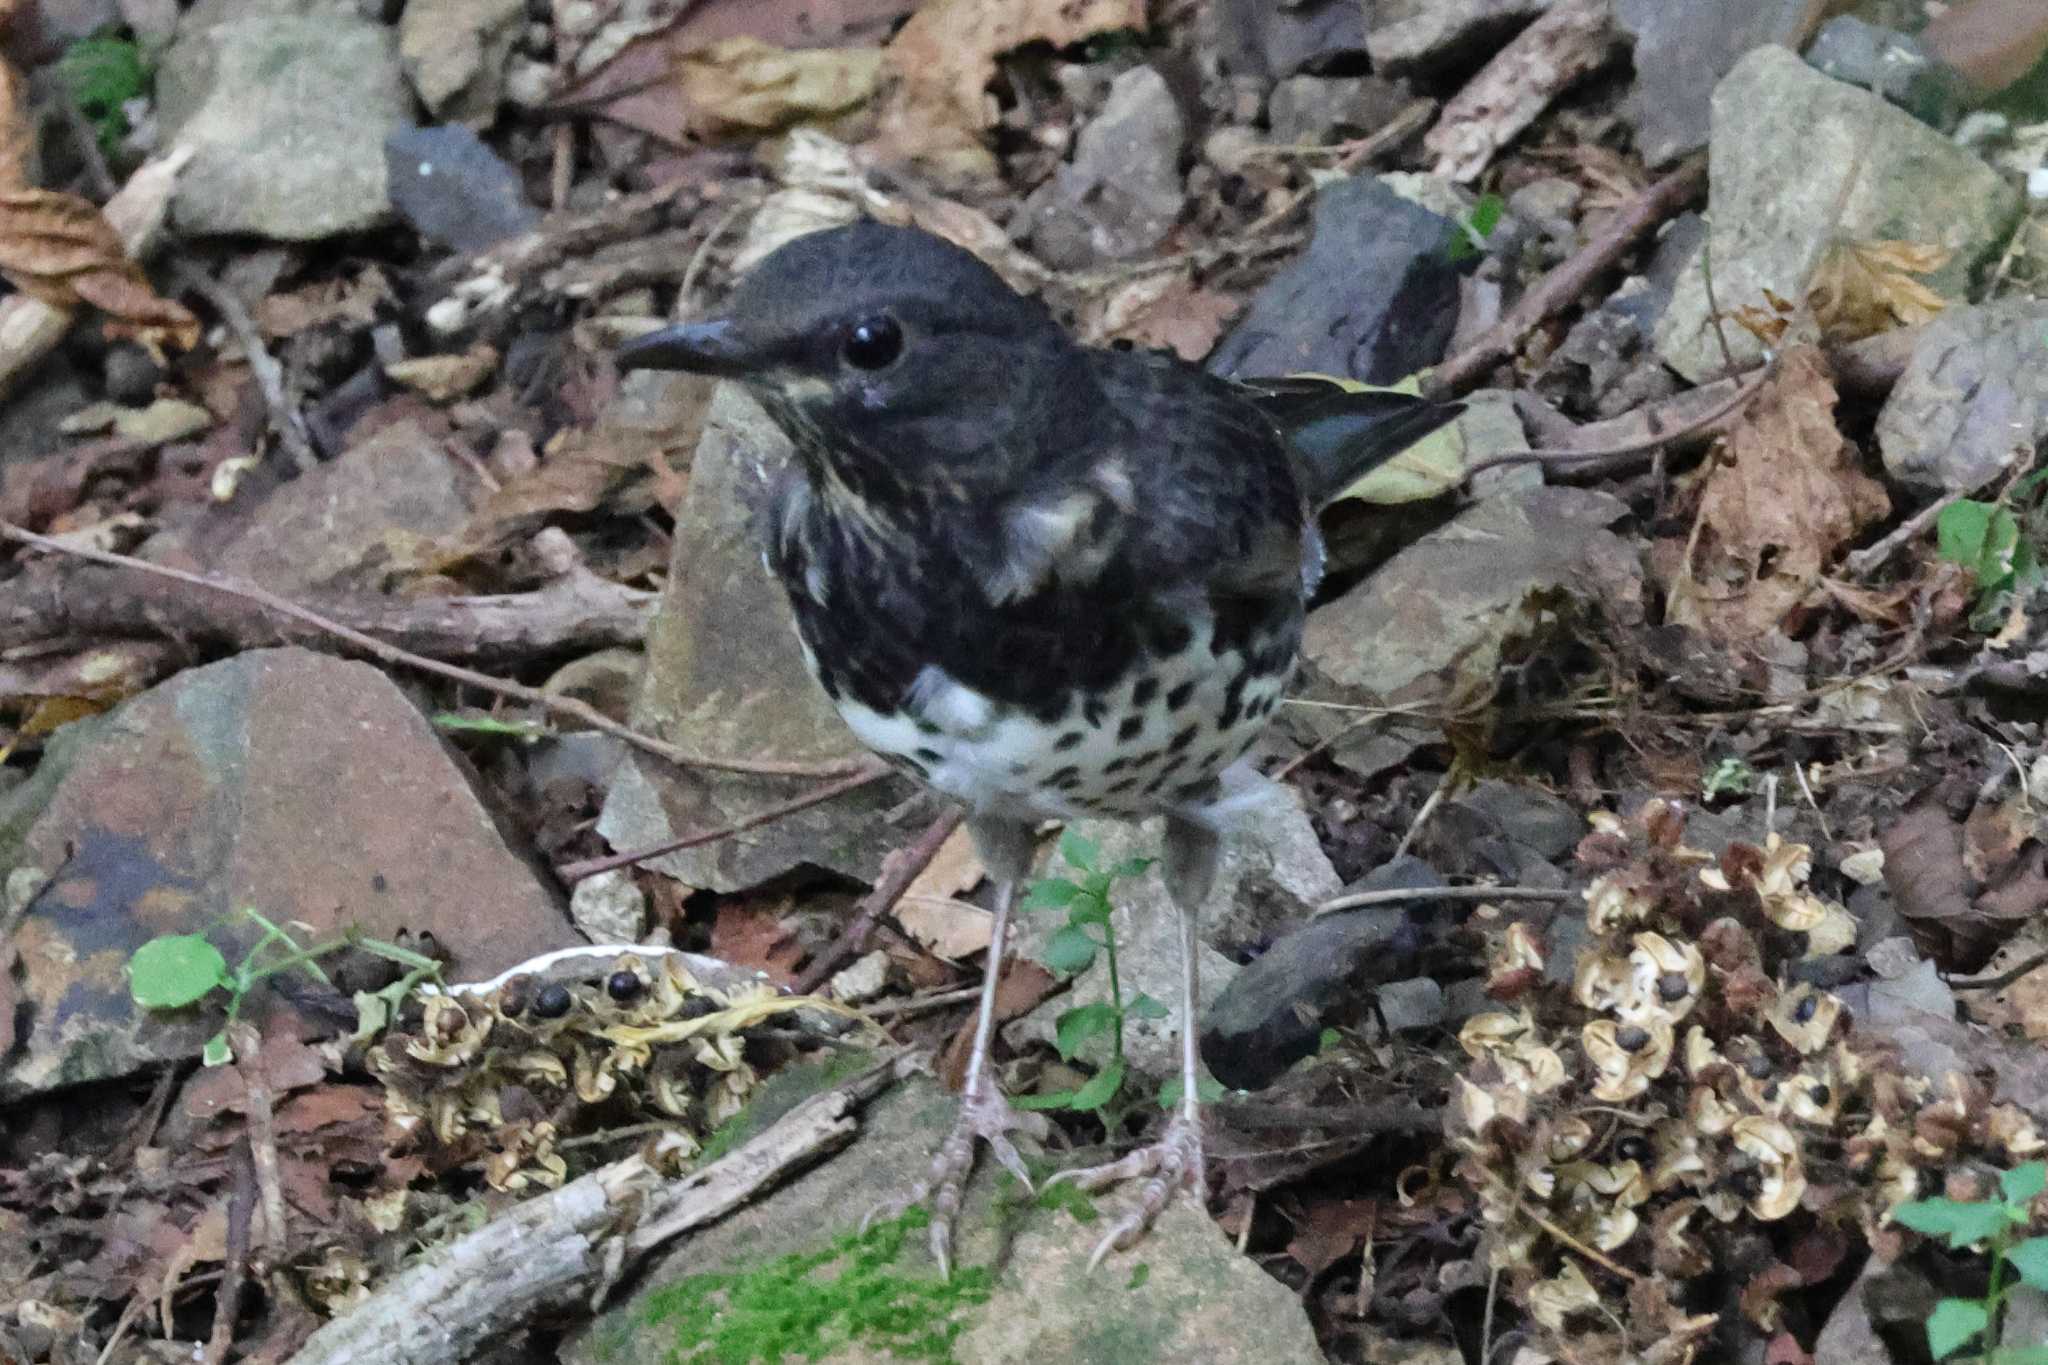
(1995, 542)
(102, 74)
(1996, 1222)
(1469, 238)
(173, 971)
(1070, 952)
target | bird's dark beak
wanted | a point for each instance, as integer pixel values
(715, 346)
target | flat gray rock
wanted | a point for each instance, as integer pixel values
(1431, 624)
(1973, 400)
(305, 786)
(1784, 138)
(287, 107)
(1682, 51)
(1196, 1300)
(1122, 192)
(726, 678)
(454, 190)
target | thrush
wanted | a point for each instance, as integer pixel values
(1050, 581)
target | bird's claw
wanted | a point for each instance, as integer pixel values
(1170, 1164)
(984, 1115)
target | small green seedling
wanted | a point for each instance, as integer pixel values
(1730, 777)
(1468, 239)
(1995, 542)
(1997, 1223)
(102, 74)
(1070, 952)
(174, 971)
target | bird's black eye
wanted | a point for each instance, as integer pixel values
(873, 343)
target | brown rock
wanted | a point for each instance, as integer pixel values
(303, 786)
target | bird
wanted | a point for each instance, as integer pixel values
(1048, 580)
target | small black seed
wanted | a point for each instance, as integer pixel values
(1820, 1095)
(624, 986)
(553, 1001)
(1631, 1038)
(1803, 1012)
(1758, 1067)
(1632, 1147)
(1672, 987)
(1771, 1091)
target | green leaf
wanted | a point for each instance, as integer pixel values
(1962, 1224)
(1132, 867)
(1143, 1006)
(1952, 1323)
(1079, 850)
(1088, 909)
(456, 723)
(1052, 1099)
(1328, 1039)
(1208, 1092)
(2030, 1258)
(1070, 951)
(1077, 1026)
(1960, 531)
(1101, 1087)
(1049, 893)
(175, 970)
(2023, 1182)
(2020, 1355)
(217, 1052)
(1140, 1273)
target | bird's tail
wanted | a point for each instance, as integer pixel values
(1338, 435)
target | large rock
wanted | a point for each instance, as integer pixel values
(1122, 192)
(1374, 297)
(725, 678)
(1272, 875)
(1407, 34)
(303, 786)
(1682, 52)
(335, 526)
(1973, 400)
(1784, 139)
(287, 106)
(1197, 1299)
(1432, 624)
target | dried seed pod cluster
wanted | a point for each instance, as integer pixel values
(1684, 1099)
(502, 1077)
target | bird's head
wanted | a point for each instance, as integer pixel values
(897, 363)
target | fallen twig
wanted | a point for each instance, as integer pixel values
(1358, 900)
(287, 423)
(227, 1301)
(1569, 280)
(816, 796)
(1569, 458)
(387, 653)
(1572, 39)
(551, 1252)
(899, 870)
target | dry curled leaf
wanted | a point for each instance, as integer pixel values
(744, 83)
(58, 248)
(1863, 288)
(1784, 498)
(945, 57)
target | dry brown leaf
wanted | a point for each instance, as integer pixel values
(58, 248)
(1783, 498)
(352, 301)
(751, 936)
(1863, 288)
(945, 57)
(15, 139)
(944, 927)
(445, 378)
(743, 83)
(954, 870)
(1166, 310)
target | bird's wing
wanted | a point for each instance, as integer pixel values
(1336, 436)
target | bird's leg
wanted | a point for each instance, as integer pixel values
(1175, 1161)
(984, 1114)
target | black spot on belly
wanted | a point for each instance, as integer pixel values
(1125, 785)
(1094, 710)
(1066, 779)
(1188, 791)
(1183, 739)
(1115, 765)
(926, 727)
(1168, 636)
(1229, 716)
(1070, 739)
(1019, 769)
(1142, 694)
(1130, 728)
(1180, 696)
(927, 755)
(1170, 764)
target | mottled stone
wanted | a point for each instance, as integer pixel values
(1973, 400)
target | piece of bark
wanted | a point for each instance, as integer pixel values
(1572, 39)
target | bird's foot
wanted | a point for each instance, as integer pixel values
(1173, 1163)
(985, 1116)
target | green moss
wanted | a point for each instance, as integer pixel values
(808, 1305)
(779, 1094)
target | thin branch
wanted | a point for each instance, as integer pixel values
(286, 421)
(227, 1301)
(899, 870)
(816, 796)
(580, 711)
(1566, 459)
(1568, 281)
(1395, 895)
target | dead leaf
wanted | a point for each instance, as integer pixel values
(353, 301)
(751, 936)
(15, 138)
(1863, 288)
(953, 871)
(58, 248)
(445, 378)
(1328, 1231)
(743, 83)
(812, 23)
(164, 421)
(1024, 985)
(945, 927)
(1993, 837)
(581, 471)
(945, 57)
(1166, 310)
(1781, 499)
